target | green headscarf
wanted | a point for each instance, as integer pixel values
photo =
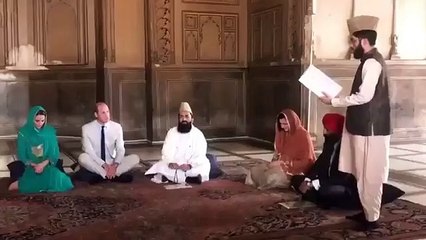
(29, 138)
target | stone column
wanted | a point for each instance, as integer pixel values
(394, 54)
(308, 55)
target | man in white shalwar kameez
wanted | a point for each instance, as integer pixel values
(366, 137)
(183, 154)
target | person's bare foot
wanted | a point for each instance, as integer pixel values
(13, 186)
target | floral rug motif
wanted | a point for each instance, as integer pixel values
(400, 220)
(219, 209)
(31, 217)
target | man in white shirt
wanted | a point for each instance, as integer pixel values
(103, 147)
(366, 138)
(183, 154)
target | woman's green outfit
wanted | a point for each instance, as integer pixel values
(35, 146)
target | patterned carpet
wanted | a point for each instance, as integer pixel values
(220, 209)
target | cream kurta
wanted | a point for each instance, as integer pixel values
(183, 148)
(366, 157)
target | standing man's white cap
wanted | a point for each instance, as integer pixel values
(184, 107)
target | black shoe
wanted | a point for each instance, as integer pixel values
(164, 179)
(324, 206)
(95, 179)
(193, 180)
(60, 165)
(368, 226)
(360, 217)
(74, 166)
(123, 178)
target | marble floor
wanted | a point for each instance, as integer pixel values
(407, 163)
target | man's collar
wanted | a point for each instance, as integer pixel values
(100, 124)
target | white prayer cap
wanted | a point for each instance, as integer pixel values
(362, 22)
(184, 107)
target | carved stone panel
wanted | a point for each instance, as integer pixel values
(270, 90)
(54, 44)
(210, 37)
(266, 35)
(163, 19)
(128, 101)
(216, 98)
(224, 2)
(68, 97)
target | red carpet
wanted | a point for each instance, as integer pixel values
(220, 209)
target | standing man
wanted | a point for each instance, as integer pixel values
(184, 153)
(366, 137)
(103, 147)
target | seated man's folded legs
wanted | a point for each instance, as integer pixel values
(203, 171)
(129, 162)
(86, 162)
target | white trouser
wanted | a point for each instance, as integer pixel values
(367, 158)
(179, 176)
(129, 162)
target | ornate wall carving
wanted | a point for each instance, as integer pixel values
(52, 17)
(109, 30)
(164, 32)
(209, 37)
(224, 2)
(266, 35)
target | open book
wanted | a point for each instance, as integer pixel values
(319, 83)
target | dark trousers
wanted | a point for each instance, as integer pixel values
(215, 171)
(332, 193)
(17, 169)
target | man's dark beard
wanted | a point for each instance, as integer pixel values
(358, 52)
(184, 127)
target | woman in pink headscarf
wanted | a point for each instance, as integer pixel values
(293, 144)
(294, 154)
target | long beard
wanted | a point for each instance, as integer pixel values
(184, 127)
(358, 52)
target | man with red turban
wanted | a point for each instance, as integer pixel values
(324, 184)
(326, 166)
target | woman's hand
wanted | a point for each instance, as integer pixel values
(287, 167)
(305, 186)
(39, 168)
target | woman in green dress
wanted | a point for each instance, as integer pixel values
(38, 149)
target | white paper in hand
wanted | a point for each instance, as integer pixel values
(319, 83)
